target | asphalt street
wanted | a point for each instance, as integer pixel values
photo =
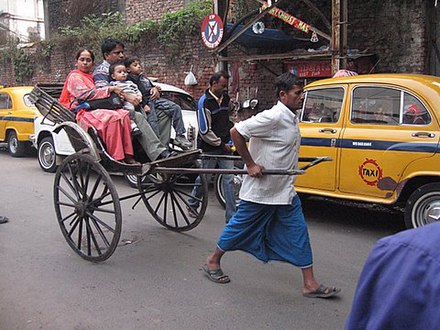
(156, 282)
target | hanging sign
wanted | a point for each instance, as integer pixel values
(286, 17)
(212, 31)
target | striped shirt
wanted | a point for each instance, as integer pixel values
(274, 143)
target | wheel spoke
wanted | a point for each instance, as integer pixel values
(199, 199)
(182, 212)
(104, 210)
(79, 235)
(95, 187)
(173, 204)
(95, 242)
(77, 220)
(67, 181)
(102, 223)
(159, 203)
(95, 221)
(165, 208)
(88, 233)
(67, 195)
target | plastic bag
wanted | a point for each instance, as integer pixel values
(190, 79)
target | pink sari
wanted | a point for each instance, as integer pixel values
(113, 126)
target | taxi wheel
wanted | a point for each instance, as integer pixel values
(16, 148)
(47, 155)
(423, 206)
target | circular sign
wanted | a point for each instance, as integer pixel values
(212, 31)
(370, 172)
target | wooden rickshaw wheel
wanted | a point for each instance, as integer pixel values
(166, 197)
(87, 207)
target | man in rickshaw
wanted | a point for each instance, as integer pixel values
(113, 52)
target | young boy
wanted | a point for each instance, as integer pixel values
(118, 75)
(151, 96)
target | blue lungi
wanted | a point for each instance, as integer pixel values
(269, 232)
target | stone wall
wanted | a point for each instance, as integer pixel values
(395, 30)
(69, 12)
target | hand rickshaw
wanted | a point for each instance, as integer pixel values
(86, 202)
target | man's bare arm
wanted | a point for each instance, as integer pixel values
(253, 168)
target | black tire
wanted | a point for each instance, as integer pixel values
(87, 207)
(16, 148)
(423, 206)
(47, 157)
(166, 198)
(219, 193)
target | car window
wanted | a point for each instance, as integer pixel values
(5, 101)
(414, 112)
(375, 105)
(186, 102)
(323, 105)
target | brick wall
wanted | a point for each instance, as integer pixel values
(138, 10)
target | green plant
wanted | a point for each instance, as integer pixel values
(174, 27)
(23, 67)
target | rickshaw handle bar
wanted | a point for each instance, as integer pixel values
(221, 171)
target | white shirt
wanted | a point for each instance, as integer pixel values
(274, 143)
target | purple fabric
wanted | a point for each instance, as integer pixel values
(399, 286)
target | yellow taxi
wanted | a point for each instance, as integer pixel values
(17, 115)
(382, 132)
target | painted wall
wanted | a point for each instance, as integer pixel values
(25, 18)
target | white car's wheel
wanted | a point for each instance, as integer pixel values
(131, 180)
(423, 206)
(47, 155)
(219, 191)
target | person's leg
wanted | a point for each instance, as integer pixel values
(228, 188)
(152, 119)
(148, 139)
(164, 123)
(213, 260)
(197, 190)
(310, 283)
(288, 240)
(173, 111)
(245, 231)
(196, 193)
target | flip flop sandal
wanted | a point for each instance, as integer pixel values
(322, 292)
(216, 276)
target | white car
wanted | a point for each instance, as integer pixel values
(52, 147)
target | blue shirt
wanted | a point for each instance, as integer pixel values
(399, 287)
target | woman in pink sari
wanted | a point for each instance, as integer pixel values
(113, 126)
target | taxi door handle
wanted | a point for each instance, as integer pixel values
(423, 134)
(327, 130)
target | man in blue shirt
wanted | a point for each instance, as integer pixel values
(399, 286)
